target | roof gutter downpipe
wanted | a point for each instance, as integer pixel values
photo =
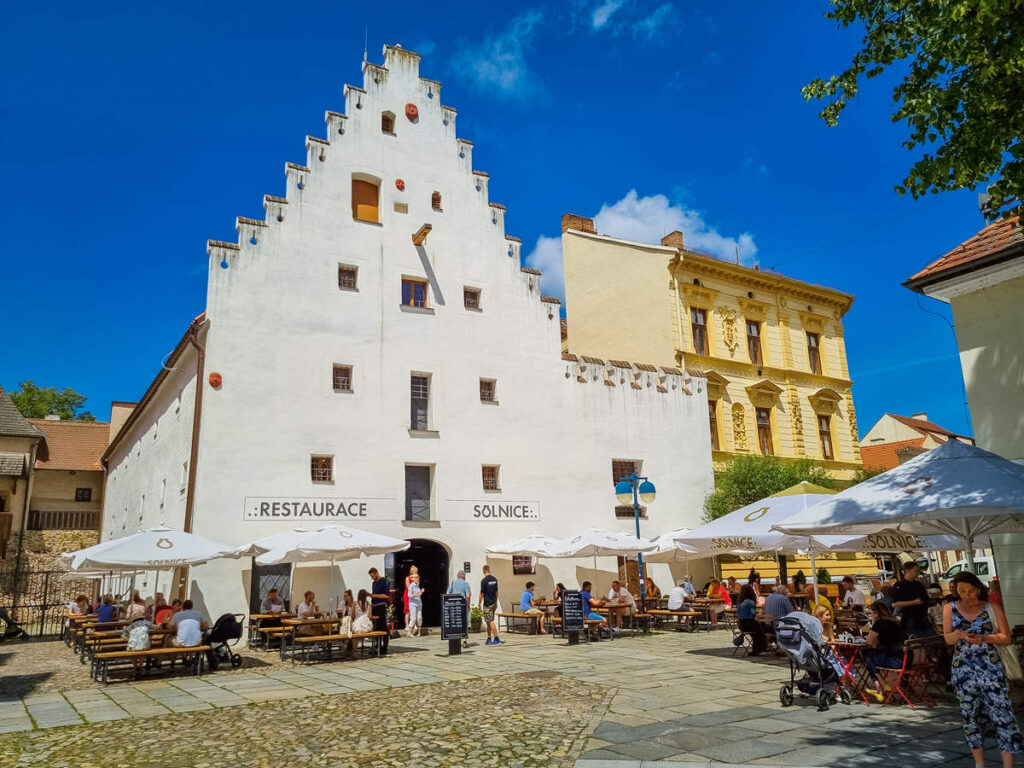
(197, 417)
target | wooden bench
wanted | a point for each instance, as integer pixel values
(305, 642)
(532, 619)
(592, 626)
(272, 633)
(103, 661)
(662, 614)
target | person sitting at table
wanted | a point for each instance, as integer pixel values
(137, 633)
(136, 608)
(308, 609)
(80, 607)
(678, 596)
(883, 646)
(651, 590)
(688, 588)
(272, 603)
(159, 601)
(191, 624)
(824, 615)
(717, 591)
(619, 595)
(754, 580)
(852, 596)
(590, 603)
(778, 604)
(107, 610)
(163, 615)
(557, 597)
(746, 616)
(799, 583)
(822, 599)
(528, 605)
(362, 614)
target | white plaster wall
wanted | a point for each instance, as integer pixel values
(277, 322)
(54, 490)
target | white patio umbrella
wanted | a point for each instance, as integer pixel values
(535, 545)
(956, 489)
(153, 549)
(594, 542)
(668, 551)
(281, 540)
(333, 542)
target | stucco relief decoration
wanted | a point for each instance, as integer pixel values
(739, 427)
(794, 412)
(400, 183)
(851, 417)
(412, 112)
(728, 315)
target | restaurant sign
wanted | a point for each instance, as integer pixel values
(892, 541)
(491, 511)
(454, 617)
(302, 508)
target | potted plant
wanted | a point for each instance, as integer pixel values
(824, 577)
(391, 622)
(476, 619)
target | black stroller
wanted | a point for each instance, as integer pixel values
(798, 635)
(225, 633)
(11, 628)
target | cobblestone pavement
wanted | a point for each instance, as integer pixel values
(666, 699)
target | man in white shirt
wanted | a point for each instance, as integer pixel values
(190, 624)
(618, 595)
(308, 609)
(852, 596)
(677, 597)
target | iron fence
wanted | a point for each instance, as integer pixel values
(38, 600)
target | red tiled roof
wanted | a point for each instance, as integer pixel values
(997, 237)
(73, 444)
(925, 427)
(883, 455)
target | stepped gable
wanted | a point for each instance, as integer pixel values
(375, 78)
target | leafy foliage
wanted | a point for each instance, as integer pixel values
(749, 478)
(963, 86)
(37, 402)
(863, 474)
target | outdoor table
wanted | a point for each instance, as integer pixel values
(706, 605)
(855, 671)
(288, 638)
(256, 621)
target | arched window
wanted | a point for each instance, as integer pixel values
(387, 122)
(366, 199)
(435, 201)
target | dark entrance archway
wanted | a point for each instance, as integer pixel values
(432, 560)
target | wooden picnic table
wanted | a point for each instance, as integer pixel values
(256, 623)
(292, 625)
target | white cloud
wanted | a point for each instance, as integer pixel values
(547, 257)
(498, 64)
(425, 47)
(604, 12)
(643, 220)
(653, 23)
(648, 219)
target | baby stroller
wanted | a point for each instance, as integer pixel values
(11, 627)
(225, 633)
(798, 635)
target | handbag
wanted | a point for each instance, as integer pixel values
(1008, 655)
(346, 626)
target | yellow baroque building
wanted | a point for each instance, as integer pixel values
(772, 347)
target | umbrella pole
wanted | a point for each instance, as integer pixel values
(969, 543)
(814, 577)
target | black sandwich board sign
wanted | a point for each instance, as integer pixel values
(573, 614)
(454, 621)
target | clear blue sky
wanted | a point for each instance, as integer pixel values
(133, 132)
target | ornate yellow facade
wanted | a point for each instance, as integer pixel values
(772, 347)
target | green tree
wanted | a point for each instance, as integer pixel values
(863, 474)
(749, 478)
(962, 64)
(37, 402)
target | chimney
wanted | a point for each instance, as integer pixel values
(582, 223)
(673, 239)
(923, 416)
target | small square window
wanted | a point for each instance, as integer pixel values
(348, 277)
(342, 378)
(83, 494)
(414, 293)
(471, 298)
(401, 207)
(321, 469)
(488, 389)
(490, 477)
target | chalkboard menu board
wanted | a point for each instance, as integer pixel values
(572, 611)
(454, 617)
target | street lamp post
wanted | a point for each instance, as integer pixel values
(634, 489)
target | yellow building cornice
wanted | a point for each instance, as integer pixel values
(746, 370)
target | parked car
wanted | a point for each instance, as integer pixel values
(984, 568)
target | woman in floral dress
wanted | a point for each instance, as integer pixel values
(976, 626)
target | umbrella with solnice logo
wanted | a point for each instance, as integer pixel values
(157, 548)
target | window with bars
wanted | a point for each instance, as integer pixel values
(321, 469)
(699, 326)
(347, 277)
(825, 436)
(624, 468)
(387, 122)
(713, 419)
(764, 431)
(627, 511)
(471, 298)
(414, 293)
(488, 389)
(754, 341)
(814, 352)
(83, 494)
(419, 402)
(490, 477)
(435, 201)
(342, 378)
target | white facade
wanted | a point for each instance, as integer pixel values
(277, 322)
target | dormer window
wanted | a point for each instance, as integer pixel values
(387, 123)
(365, 198)
(435, 201)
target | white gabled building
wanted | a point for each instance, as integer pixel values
(373, 353)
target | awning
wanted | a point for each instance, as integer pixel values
(12, 464)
